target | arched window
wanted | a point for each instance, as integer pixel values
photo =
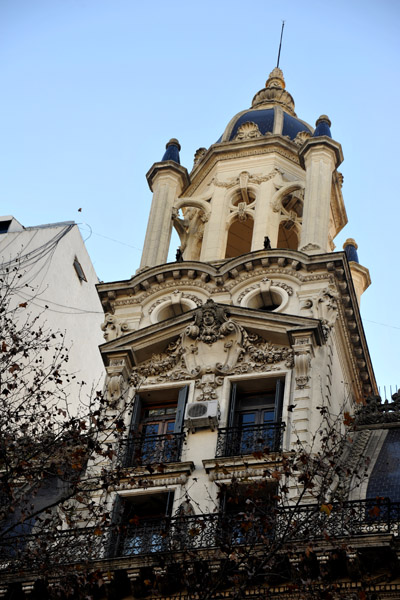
(240, 235)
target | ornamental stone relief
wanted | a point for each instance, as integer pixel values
(301, 137)
(198, 156)
(303, 354)
(255, 179)
(273, 149)
(212, 346)
(248, 131)
(113, 327)
(376, 412)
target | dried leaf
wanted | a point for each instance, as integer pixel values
(348, 419)
(326, 508)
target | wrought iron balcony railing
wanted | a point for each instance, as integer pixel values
(148, 449)
(223, 531)
(247, 439)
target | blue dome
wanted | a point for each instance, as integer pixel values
(272, 111)
(266, 121)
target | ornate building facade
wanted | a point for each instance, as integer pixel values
(227, 365)
(231, 354)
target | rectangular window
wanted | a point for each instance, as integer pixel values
(156, 434)
(142, 523)
(255, 418)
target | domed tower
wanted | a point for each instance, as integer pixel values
(269, 175)
(257, 323)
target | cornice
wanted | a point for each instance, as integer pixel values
(169, 166)
(317, 143)
(221, 151)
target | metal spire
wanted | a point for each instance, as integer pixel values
(280, 44)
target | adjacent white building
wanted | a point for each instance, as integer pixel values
(58, 283)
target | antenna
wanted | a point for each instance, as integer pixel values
(280, 44)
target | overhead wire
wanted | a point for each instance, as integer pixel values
(32, 299)
(382, 324)
(106, 237)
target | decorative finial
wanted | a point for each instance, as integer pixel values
(322, 126)
(350, 247)
(172, 151)
(275, 79)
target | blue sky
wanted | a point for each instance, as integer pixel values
(93, 89)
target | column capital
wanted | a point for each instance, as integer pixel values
(320, 143)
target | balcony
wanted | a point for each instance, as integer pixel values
(300, 524)
(247, 439)
(151, 449)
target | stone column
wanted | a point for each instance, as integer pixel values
(215, 231)
(167, 180)
(265, 220)
(319, 156)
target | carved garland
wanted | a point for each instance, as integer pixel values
(256, 179)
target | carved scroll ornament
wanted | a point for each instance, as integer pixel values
(113, 328)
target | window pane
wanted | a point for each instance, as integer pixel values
(269, 415)
(247, 418)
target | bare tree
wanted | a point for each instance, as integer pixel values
(50, 457)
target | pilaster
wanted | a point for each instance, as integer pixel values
(302, 343)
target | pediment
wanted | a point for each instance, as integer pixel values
(274, 328)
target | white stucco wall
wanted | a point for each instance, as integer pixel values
(53, 290)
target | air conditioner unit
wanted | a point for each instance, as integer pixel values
(202, 414)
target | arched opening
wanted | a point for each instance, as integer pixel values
(170, 309)
(287, 236)
(266, 298)
(239, 238)
(265, 301)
